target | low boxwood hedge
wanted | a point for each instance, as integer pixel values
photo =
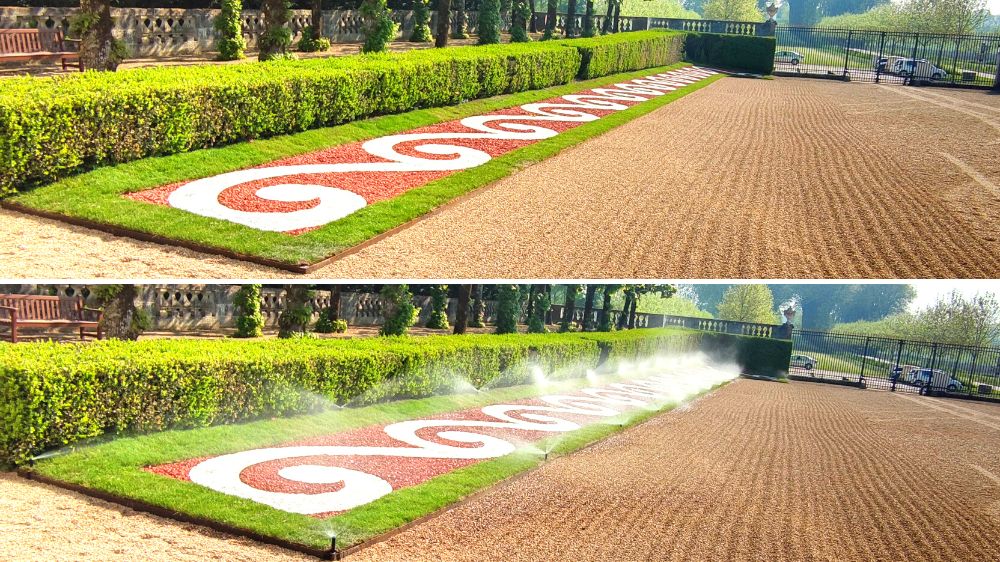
(57, 394)
(743, 53)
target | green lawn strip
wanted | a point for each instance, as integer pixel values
(97, 195)
(116, 467)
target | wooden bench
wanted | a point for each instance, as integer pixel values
(35, 311)
(27, 44)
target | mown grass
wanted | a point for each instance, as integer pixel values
(98, 195)
(117, 467)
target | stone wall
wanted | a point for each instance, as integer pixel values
(160, 32)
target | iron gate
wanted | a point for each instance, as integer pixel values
(897, 365)
(889, 57)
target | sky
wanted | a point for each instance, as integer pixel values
(928, 291)
(993, 6)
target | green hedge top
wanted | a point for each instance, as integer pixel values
(742, 53)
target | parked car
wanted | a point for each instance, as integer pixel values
(923, 377)
(919, 69)
(788, 57)
(803, 361)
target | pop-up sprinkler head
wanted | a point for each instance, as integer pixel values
(334, 555)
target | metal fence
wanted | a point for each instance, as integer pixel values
(889, 57)
(896, 365)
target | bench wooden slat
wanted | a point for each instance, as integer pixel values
(27, 44)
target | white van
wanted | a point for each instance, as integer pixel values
(919, 69)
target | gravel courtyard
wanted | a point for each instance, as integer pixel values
(783, 178)
(755, 471)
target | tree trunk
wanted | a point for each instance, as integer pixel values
(623, 318)
(276, 37)
(443, 23)
(618, 14)
(532, 24)
(460, 21)
(588, 308)
(569, 308)
(478, 307)
(96, 51)
(606, 310)
(550, 19)
(119, 315)
(333, 313)
(588, 20)
(462, 312)
(316, 21)
(631, 312)
(609, 18)
(571, 18)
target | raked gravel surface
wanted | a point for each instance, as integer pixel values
(783, 178)
(754, 471)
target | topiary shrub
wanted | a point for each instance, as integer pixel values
(508, 309)
(733, 52)
(379, 29)
(249, 320)
(438, 319)
(295, 319)
(520, 13)
(274, 42)
(397, 309)
(539, 309)
(310, 43)
(489, 22)
(421, 22)
(229, 24)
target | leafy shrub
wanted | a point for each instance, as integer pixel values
(397, 309)
(622, 52)
(325, 325)
(249, 320)
(421, 22)
(230, 27)
(379, 29)
(310, 43)
(438, 319)
(734, 52)
(508, 309)
(53, 395)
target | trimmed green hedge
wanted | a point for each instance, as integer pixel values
(757, 356)
(51, 127)
(58, 394)
(623, 52)
(742, 53)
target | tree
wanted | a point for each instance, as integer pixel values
(955, 319)
(520, 12)
(588, 20)
(478, 307)
(312, 40)
(550, 20)
(438, 319)
(444, 18)
(460, 21)
(609, 17)
(229, 24)
(297, 316)
(569, 308)
(249, 321)
(733, 10)
(274, 41)
(421, 18)
(571, 18)
(121, 319)
(489, 22)
(588, 308)
(508, 309)
(397, 310)
(748, 303)
(800, 12)
(462, 311)
(539, 309)
(99, 50)
(378, 28)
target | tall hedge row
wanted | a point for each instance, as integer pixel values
(731, 52)
(52, 127)
(623, 52)
(58, 394)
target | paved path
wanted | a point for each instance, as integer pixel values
(783, 178)
(755, 471)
